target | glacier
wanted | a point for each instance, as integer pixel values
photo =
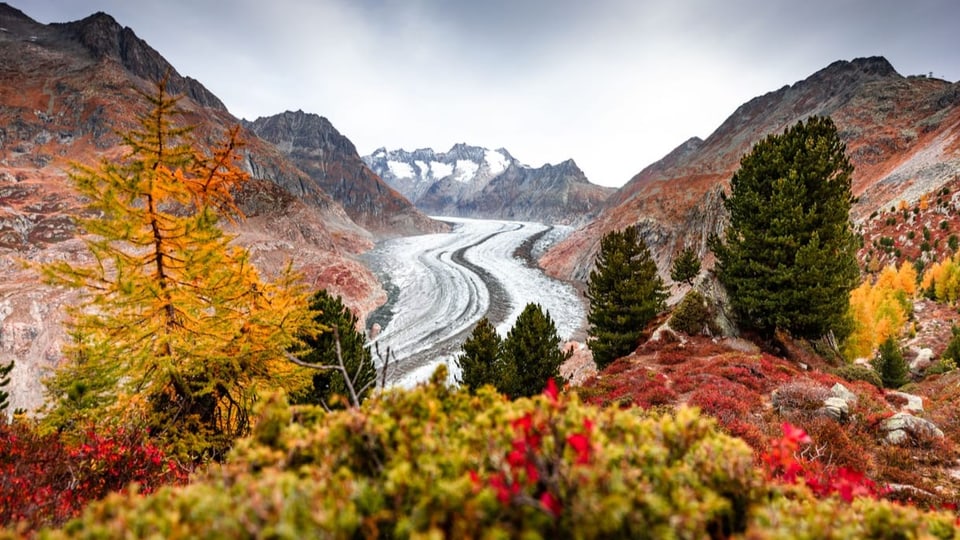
(440, 285)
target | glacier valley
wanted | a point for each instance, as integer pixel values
(440, 285)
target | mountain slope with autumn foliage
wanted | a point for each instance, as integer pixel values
(66, 90)
(902, 135)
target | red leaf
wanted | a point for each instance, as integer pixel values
(551, 390)
(551, 504)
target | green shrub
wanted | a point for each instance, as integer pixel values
(691, 315)
(434, 462)
(857, 372)
(890, 364)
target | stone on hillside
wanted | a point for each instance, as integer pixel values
(899, 427)
(836, 408)
(914, 403)
(840, 391)
(923, 360)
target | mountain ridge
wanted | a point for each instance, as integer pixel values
(332, 162)
(902, 135)
(477, 182)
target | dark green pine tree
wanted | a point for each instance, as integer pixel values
(788, 256)
(480, 361)
(889, 363)
(625, 293)
(685, 267)
(4, 382)
(531, 354)
(322, 351)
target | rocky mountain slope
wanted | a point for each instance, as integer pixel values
(470, 181)
(902, 135)
(65, 92)
(332, 162)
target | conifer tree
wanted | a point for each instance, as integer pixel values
(788, 256)
(176, 327)
(625, 293)
(5, 370)
(321, 349)
(889, 363)
(531, 354)
(480, 362)
(685, 267)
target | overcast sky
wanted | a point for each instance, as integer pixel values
(613, 84)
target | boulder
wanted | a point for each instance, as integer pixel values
(840, 391)
(836, 408)
(922, 361)
(914, 403)
(899, 427)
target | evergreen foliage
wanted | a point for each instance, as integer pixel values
(857, 372)
(5, 370)
(686, 267)
(329, 386)
(890, 364)
(176, 329)
(953, 347)
(788, 256)
(480, 362)
(691, 315)
(531, 354)
(625, 293)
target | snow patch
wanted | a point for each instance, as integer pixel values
(424, 168)
(496, 162)
(400, 169)
(465, 170)
(441, 170)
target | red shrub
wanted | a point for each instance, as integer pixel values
(726, 401)
(45, 481)
(783, 463)
(655, 395)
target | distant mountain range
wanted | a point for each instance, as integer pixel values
(470, 181)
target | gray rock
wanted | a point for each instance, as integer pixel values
(840, 391)
(914, 403)
(922, 361)
(836, 408)
(899, 426)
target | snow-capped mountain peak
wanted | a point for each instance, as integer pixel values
(472, 181)
(413, 173)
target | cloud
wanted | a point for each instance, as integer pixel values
(614, 84)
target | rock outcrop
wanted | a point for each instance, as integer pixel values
(334, 167)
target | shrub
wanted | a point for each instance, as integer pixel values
(45, 480)
(692, 315)
(890, 364)
(952, 352)
(800, 396)
(435, 462)
(441, 463)
(858, 372)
